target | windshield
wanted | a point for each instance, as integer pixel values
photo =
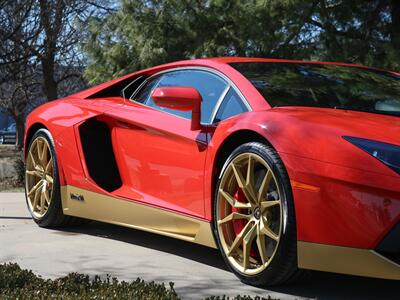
(329, 86)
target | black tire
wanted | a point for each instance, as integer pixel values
(54, 216)
(283, 266)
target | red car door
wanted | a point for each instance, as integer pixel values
(160, 158)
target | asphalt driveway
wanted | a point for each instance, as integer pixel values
(127, 254)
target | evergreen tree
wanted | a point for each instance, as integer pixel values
(143, 33)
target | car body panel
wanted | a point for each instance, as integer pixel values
(343, 196)
(165, 164)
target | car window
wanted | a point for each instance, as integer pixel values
(209, 86)
(325, 85)
(232, 105)
(146, 90)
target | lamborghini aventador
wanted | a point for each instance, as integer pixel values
(284, 166)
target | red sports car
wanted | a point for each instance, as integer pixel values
(282, 165)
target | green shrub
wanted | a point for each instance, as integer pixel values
(16, 283)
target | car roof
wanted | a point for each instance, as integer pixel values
(213, 62)
(236, 59)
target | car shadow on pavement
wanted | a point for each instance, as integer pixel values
(195, 252)
(318, 285)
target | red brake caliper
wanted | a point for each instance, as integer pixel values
(239, 224)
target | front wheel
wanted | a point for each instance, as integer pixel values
(254, 220)
(42, 185)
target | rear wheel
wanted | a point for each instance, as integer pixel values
(42, 185)
(254, 220)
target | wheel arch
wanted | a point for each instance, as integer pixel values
(29, 134)
(230, 143)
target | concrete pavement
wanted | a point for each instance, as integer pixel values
(125, 253)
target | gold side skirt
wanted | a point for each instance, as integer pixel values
(132, 214)
(346, 260)
(320, 257)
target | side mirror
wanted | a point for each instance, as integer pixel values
(182, 99)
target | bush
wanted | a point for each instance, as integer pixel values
(19, 166)
(16, 283)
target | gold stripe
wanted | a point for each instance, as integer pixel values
(346, 260)
(132, 214)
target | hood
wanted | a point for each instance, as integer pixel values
(317, 133)
(340, 122)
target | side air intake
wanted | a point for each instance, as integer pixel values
(99, 154)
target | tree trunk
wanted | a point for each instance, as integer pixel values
(20, 128)
(50, 84)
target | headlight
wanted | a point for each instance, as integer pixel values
(387, 153)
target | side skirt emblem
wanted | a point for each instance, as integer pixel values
(77, 197)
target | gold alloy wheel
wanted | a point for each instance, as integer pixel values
(249, 213)
(39, 177)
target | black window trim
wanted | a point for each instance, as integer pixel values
(127, 86)
(219, 103)
(229, 82)
(216, 121)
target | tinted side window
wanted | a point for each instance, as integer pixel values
(325, 85)
(231, 106)
(210, 87)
